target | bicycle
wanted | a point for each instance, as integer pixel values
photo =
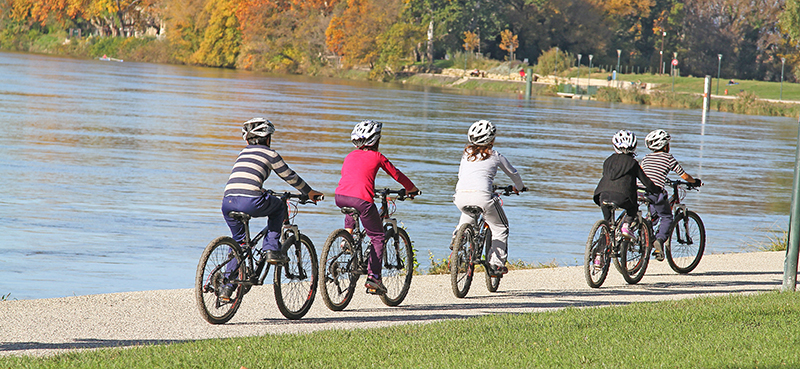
(606, 245)
(471, 247)
(686, 243)
(226, 263)
(344, 257)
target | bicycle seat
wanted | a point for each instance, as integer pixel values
(472, 210)
(349, 210)
(610, 204)
(238, 215)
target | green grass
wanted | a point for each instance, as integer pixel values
(755, 331)
(761, 89)
(777, 239)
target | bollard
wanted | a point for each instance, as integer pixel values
(790, 264)
(528, 83)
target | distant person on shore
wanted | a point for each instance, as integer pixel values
(244, 191)
(618, 184)
(357, 189)
(657, 165)
(479, 164)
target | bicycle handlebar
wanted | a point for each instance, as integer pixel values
(401, 194)
(691, 186)
(301, 197)
(507, 190)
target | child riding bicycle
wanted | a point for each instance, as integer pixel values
(476, 173)
(618, 184)
(357, 189)
(244, 191)
(657, 165)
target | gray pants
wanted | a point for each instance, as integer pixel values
(495, 217)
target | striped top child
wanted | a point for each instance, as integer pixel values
(252, 168)
(657, 165)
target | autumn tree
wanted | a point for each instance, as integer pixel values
(509, 43)
(353, 34)
(284, 36)
(219, 46)
(471, 41)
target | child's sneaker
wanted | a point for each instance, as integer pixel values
(375, 286)
(626, 232)
(225, 293)
(659, 250)
(598, 261)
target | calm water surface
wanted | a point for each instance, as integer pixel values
(111, 174)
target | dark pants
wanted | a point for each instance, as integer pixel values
(371, 221)
(660, 207)
(623, 202)
(263, 206)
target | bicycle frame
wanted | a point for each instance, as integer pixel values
(388, 223)
(254, 267)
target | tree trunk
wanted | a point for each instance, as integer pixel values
(430, 43)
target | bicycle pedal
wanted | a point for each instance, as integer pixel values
(373, 291)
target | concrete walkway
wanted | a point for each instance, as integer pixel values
(50, 326)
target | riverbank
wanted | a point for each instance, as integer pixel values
(52, 326)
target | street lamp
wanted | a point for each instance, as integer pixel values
(619, 52)
(589, 75)
(783, 62)
(578, 81)
(555, 66)
(718, 67)
(661, 54)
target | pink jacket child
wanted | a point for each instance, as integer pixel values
(357, 188)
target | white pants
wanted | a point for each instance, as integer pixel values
(495, 217)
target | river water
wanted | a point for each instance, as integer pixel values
(111, 174)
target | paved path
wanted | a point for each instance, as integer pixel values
(48, 326)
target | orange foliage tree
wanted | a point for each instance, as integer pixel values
(353, 34)
(509, 42)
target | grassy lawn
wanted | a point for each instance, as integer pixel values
(755, 331)
(763, 90)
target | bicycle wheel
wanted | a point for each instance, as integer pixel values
(461, 269)
(492, 283)
(398, 266)
(597, 257)
(687, 242)
(212, 277)
(295, 283)
(338, 270)
(634, 256)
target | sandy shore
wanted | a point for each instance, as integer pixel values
(49, 326)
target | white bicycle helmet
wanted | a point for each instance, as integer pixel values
(257, 127)
(366, 133)
(624, 142)
(481, 132)
(657, 139)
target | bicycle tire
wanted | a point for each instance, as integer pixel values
(461, 269)
(398, 266)
(210, 278)
(492, 283)
(683, 251)
(615, 257)
(634, 257)
(337, 270)
(597, 245)
(295, 283)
